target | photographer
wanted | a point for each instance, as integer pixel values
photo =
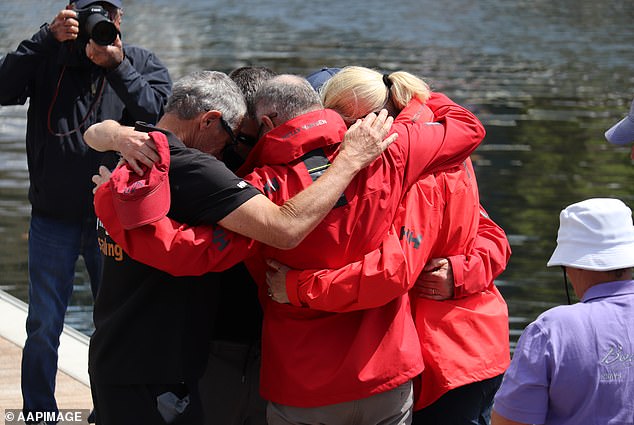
(71, 82)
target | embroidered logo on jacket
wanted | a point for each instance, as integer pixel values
(410, 237)
(271, 186)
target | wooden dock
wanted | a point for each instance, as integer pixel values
(72, 388)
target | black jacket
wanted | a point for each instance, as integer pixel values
(67, 93)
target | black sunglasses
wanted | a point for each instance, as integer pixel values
(240, 138)
(247, 140)
(227, 128)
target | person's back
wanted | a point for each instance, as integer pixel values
(573, 364)
(367, 208)
(448, 204)
(448, 210)
(309, 357)
(460, 325)
(588, 350)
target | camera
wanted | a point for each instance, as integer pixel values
(94, 23)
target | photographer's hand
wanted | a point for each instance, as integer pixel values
(65, 26)
(108, 57)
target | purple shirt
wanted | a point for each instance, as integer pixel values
(575, 364)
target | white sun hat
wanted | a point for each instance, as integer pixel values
(595, 234)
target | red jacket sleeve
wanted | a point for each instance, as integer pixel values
(449, 140)
(384, 273)
(488, 259)
(392, 269)
(174, 248)
(375, 280)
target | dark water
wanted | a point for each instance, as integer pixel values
(546, 78)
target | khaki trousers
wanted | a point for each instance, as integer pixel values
(392, 407)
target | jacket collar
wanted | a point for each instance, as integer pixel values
(296, 137)
(415, 111)
(609, 289)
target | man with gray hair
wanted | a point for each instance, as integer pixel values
(575, 364)
(152, 329)
(288, 96)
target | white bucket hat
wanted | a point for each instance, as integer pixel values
(595, 234)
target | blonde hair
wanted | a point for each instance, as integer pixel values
(355, 91)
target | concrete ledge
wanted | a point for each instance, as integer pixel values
(73, 345)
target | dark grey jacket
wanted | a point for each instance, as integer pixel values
(67, 93)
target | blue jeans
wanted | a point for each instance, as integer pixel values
(467, 405)
(54, 247)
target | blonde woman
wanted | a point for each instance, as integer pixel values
(355, 91)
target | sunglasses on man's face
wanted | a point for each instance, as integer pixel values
(225, 125)
(240, 138)
(247, 140)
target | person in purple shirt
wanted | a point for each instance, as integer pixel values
(575, 364)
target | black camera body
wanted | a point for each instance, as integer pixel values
(94, 23)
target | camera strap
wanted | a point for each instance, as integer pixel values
(102, 85)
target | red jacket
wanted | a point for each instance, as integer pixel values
(463, 340)
(313, 358)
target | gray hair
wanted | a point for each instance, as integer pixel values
(203, 91)
(287, 95)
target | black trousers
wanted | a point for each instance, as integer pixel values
(467, 405)
(139, 404)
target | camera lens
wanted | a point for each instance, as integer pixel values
(104, 33)
(101, 29)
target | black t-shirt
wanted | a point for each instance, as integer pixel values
(239, 314)
(151, 327)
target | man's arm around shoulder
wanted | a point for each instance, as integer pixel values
(285, 226)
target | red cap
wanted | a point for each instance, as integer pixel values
(140, 200)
